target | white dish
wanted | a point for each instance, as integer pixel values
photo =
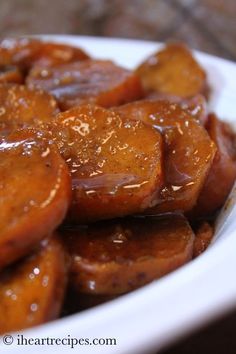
(155, 315)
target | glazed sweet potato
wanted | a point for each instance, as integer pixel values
(203, 237)
(115, 164)
(35, 191)
(10, 74)
(18, 51)
(196, 105)
(23, 107)
(222, 174)
(116, 257)
(188, 152)
(27, 52)
(173, 70)
(32, 290)
(94, 81)
(51, 54)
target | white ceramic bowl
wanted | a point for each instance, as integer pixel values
(153, 316)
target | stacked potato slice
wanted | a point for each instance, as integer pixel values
(101, 170)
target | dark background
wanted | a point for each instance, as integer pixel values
(207, 25)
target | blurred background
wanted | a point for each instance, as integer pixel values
(207, 25)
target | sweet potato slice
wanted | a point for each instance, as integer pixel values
(51, 54)
(203, 237)
(10, 74)
(222, 174)
(22, 107)
(35, 190)
(115, 164)
(188, 152)
(18, 51)
(26, 52)
(173, 70)
(32, 290)
(118, 256)
(94, 81)
(196, 105)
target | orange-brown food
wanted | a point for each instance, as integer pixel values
(116, 257)
(115, 164)
(32, 290)
(173, 70)
(188, 152)
(18, 51)
(35, 190)
(222, 174)
(22, 107)
(26, 52)
(94, 81)
(203, 238)
(51, 54)
(10, 74)
(196, 105)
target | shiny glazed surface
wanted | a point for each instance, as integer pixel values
(34, 192)
(119, 256)
(31, 292)
(90, 81)
(188, 151)
(115, 165)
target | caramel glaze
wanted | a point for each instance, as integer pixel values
(91, 81)
(115, 164)
(21, 107)
(188, 152)
(32, 290)
(35, 191)
(114, 257)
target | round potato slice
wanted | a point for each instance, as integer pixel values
(94, 81)
(23, 107)
(173, 70)
(222, 174)
(196, 105)
(32, 291)
(118, 256)
(26, 52)
(18, 51)
(188, 152)
(115, 164)
(51, 54)
(10, 74)
(35, 190)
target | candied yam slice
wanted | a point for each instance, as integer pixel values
(35, 190)
(221, 177)
(196, 105)
(116, 257)
(188, 152)
(18, 51)
(10, 74)
(173, 70)
(51, 54)
(115, 164)
(203, 237)
(27, 52)
(95, 81)
(32, 290)
(22, 107)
